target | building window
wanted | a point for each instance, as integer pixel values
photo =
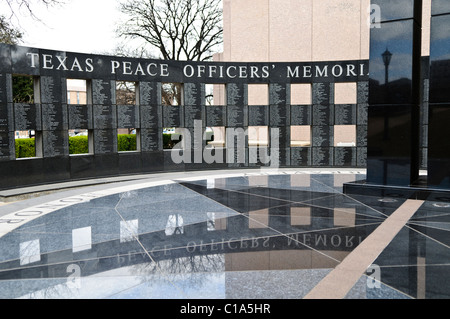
(81, 239)
(258, 94)
(127, 134)
(80, 138)
(258, 219)
(28, 140)
(301, 94)
(172, 94)
(345, 93)
(344, 217)
(215, 94)
(301, 136)
(301, 216)
(258, 136)
(76, 92)
(126, 93)
(172, 138)
(215, 136)
(345, 135)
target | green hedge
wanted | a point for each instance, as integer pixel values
(167, 141)
(25, 148)
(126, 142)
(80, 145)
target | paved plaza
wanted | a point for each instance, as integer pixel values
(234, 234)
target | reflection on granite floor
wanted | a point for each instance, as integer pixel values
(253, 236)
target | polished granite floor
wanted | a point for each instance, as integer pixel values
(249, 236)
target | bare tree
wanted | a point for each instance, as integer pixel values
(178, 29)
(8, 33)
(27, 6)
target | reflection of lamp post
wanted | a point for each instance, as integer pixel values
(387, 60)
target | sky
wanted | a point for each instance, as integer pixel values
(85, 26)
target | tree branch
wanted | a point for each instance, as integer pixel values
(185, 29)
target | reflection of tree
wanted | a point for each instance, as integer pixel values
(174, 225)
(187, 266)
(184, 265)
(47, 289)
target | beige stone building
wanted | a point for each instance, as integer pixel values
(301, 31)
(295, 30)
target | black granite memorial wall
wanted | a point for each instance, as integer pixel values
(52, 117)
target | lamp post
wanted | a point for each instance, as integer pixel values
(387, 60)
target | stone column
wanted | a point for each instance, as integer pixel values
(394, 98)
(439, 99)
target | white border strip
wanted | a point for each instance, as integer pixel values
(14, 220)
(341, 280)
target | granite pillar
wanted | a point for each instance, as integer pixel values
(439, 99)
(394, 99)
